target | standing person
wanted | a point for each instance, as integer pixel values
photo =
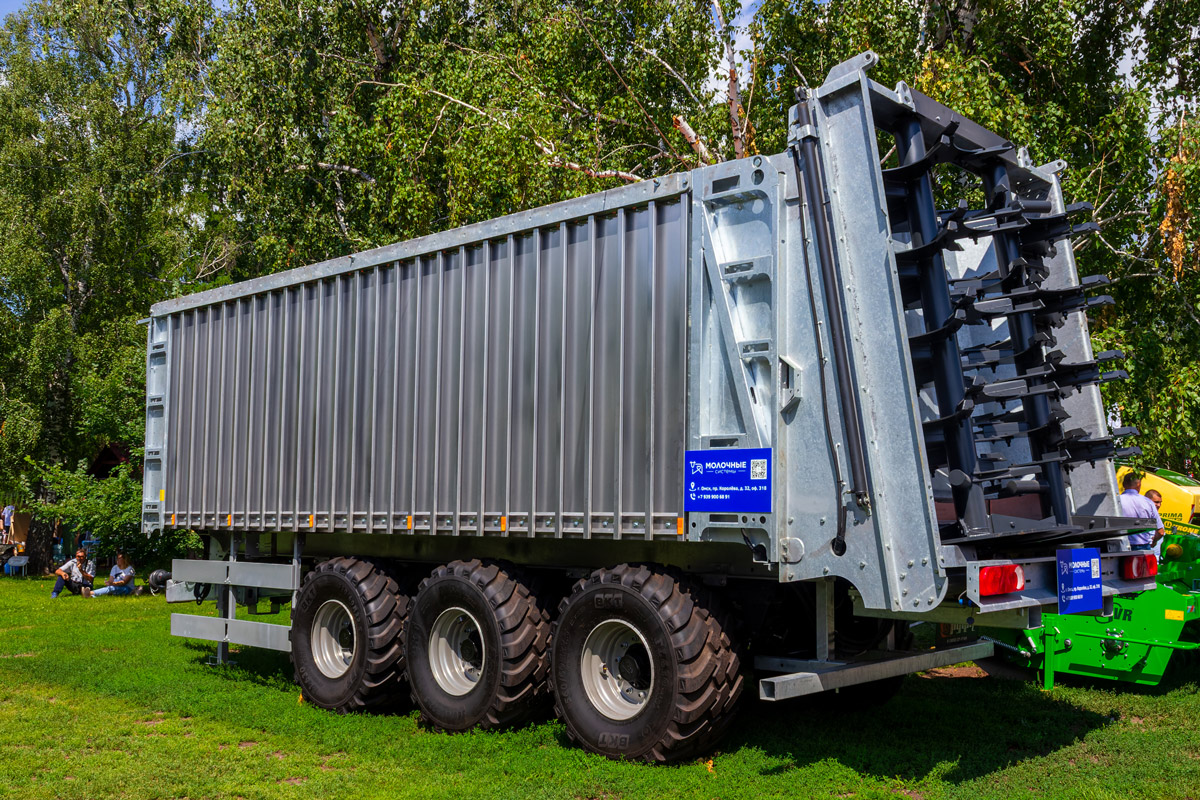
(1135, 505)
(120, 579)
(75, 576)
(8, 534)
(1154, 497)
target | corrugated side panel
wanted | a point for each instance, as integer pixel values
(531, 384)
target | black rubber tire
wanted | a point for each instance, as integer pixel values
(693, 701)
(377, 608)
(515, 636)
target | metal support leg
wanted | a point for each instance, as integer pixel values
(1049, 642)
(227, 605)
(297, 549)
(825, 625)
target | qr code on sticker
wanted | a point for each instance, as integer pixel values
(758, 469)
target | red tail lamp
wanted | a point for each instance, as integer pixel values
(1001, 579)
(1139, 566)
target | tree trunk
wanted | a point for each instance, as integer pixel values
(39, 546)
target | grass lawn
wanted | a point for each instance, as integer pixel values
(97, 700)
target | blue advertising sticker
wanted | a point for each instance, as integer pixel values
(1079, 580)
(736, 480)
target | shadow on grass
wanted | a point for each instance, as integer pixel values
(268, 668)
(273, 670)
(954, 729)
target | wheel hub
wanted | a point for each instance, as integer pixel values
(456, 652)
(634, 666)
(618, 675)
(332, 638)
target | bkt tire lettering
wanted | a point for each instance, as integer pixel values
(610, 600)
(614, 740)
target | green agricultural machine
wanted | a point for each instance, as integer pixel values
(1145, 634)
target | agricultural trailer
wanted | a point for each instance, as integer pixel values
(637, 451)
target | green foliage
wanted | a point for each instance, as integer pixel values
(97, 218)
(150, 148)
(386, 122)
(1157, 317)
(110, 511)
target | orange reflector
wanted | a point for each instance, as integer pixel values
(172, 520)
(1001, 579)
(229, 520)
(312, 520)
(679, 525)
(410, 522)
(504, 523)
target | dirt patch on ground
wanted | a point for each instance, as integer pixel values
(325, 767)
(968, 671)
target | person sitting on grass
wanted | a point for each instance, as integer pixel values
(120, 580)
(75, 576)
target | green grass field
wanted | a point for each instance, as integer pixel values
(97, 700)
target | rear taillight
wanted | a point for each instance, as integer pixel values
(1001, 579)
(1137, 567)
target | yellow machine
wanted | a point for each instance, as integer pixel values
(1180, 494)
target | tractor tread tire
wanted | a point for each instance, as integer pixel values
(524, 641)
(379, 683)
(708, 673)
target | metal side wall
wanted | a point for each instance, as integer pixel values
(543, 374)
(522, 377)
(757, 316)
(892, 544)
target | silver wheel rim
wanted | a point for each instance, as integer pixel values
(618, 674)
(456, 653)
(333, 639)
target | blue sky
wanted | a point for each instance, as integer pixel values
(9, 6)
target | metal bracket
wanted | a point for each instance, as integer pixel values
(789, 383)
(791, 551)
(799, 133)
(860, 63)
(838, 675)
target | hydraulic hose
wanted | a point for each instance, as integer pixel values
(813, 178)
